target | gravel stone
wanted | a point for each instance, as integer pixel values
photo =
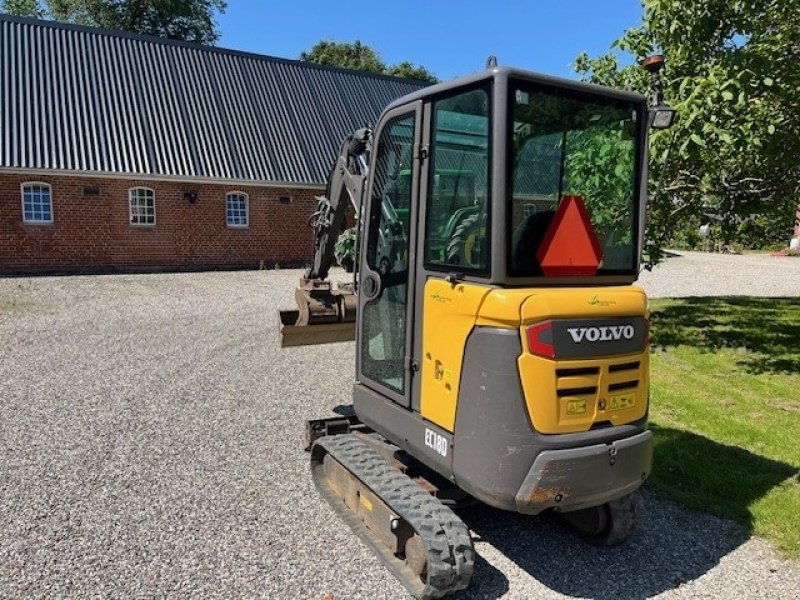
(685, 274)
(151, 436)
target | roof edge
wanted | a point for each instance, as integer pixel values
(197, 46)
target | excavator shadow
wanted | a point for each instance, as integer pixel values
(766, 327)
(676, 545)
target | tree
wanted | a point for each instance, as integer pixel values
(189, 20)
(732, 73)
(355, 56)
(22, 8)
(411, 71)
(362, 57)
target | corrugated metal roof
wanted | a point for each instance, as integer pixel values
(82, 99)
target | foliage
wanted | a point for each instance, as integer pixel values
(189, 20)
(355, 56)
(362, 57)
(409, 70)
(725, 374)
(600, 163)
(22, 8)
(732, 73)
(345, 249)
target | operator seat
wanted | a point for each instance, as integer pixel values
(525, 243)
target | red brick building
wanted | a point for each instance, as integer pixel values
(122, 151)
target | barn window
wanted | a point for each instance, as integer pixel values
(37, 203)
(143, 206)
(236, 208)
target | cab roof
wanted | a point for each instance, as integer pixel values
(503, 73)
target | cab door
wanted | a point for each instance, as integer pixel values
(388, 235)
(453, 251)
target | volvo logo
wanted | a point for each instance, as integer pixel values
(601, 334)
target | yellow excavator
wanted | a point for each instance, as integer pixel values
(501, 350)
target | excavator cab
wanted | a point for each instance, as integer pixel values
(486, 165)
(501, 349)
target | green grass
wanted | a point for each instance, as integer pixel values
(726, 410)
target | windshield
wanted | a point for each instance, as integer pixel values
(571, 144)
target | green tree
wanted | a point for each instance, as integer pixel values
(357, 56)
(362, 57)
(411, 71)
(189, 20)
(22, 8)
(733, 74)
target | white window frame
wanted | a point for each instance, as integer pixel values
(528, 209)
(131, 197)
(22, 201)
(246, 197)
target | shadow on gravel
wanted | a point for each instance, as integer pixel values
(487, 581)
(676, 546)
(768, 327)
(344, 410)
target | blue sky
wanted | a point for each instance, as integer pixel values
(540, 35)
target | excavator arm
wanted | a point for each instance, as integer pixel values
(328, 308)
(347, 178)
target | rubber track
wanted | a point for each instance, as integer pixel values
(448, 545)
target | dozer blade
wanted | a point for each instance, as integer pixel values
(305, 335)
(421, 541)
(324, 314)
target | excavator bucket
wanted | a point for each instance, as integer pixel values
(324, 314)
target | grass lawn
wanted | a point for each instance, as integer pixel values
(726, 410)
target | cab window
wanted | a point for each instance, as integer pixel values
(573, 144)
(457, 213)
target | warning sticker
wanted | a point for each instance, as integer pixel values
(622, 401)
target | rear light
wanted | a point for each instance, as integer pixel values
(540, 339)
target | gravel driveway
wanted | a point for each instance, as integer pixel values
(702, 274)
(150, 445)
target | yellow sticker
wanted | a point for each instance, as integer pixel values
(576, 407)
(366, 503)
(622, 401)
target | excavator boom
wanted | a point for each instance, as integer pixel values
(326, 312)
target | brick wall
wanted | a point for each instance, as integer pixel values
(94, 231)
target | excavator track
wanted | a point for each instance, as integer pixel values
(425, 545)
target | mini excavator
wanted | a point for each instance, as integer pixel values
(501, 350)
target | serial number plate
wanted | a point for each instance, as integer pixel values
(622, 401)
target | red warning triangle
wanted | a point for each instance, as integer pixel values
(570, 245)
